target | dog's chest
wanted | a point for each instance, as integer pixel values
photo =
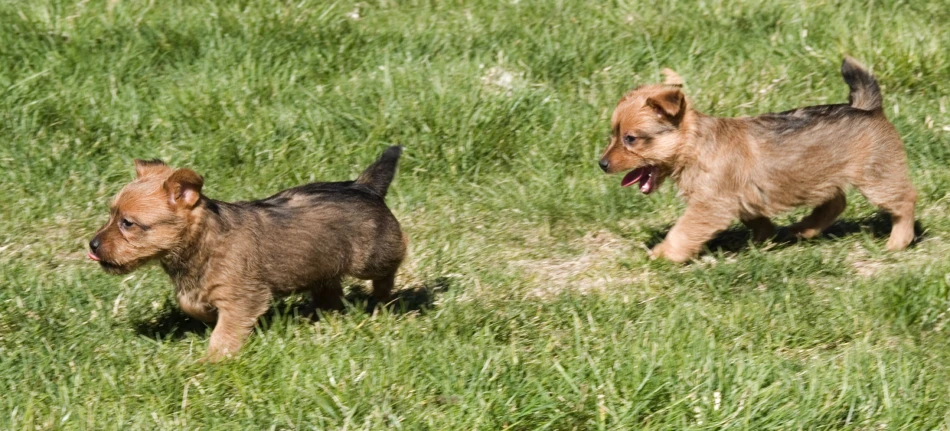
(191, 295)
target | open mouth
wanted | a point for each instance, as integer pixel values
(647, 176)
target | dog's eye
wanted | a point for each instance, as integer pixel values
(629, 139)
(125, 223)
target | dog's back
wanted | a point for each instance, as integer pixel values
(321, 230)
(805, 156)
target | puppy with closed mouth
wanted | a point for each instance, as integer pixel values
(754, 168)
(228, 260)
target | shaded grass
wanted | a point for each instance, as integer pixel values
(541, 327)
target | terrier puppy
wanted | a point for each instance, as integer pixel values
(753, 168)
(227, 260)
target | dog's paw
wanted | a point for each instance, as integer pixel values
(664, 251)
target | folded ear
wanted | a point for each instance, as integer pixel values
(184, 188)
(144, 168)
(669, 104)
(671, 78)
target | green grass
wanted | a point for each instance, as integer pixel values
(543, 309)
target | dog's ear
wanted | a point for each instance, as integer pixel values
(672, 78)
(144, 168)
(669, 104)
(184, 188)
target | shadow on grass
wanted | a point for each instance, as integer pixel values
(172, 323)
(737, 239)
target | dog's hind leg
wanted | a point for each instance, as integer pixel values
(383, 287)
(761, 227)
(820, 218)
(327, 296)
(898, 199)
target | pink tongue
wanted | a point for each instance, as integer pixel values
(646, 184)
(645, 176)
(633, 177)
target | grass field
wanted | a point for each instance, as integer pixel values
(528, 300)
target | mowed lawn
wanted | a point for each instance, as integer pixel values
(528, 300)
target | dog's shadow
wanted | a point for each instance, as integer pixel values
(737, 239)
(172, 323)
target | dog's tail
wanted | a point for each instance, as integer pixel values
(378, 175)
(865, 93)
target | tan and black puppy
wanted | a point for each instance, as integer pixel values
(227, 260)
(754, 168)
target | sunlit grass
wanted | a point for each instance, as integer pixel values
(530, 302)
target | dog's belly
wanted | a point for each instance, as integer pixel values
(784, 180)
(761, 202)
(310, 264)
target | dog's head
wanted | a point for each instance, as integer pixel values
(646, 132)
(148, 218)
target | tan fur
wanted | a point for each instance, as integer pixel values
(754, 168)
(228, 260)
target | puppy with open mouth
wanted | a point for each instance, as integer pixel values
(754, 168)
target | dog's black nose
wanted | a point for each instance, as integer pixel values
(94, 244)
(604, 164)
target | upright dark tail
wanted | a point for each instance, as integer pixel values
(865, 93)
(378, 175)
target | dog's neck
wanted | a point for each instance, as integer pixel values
(693, 128)
(189, 259)
(699, 141)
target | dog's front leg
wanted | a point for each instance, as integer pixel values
(236, 319)
(698, 225)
